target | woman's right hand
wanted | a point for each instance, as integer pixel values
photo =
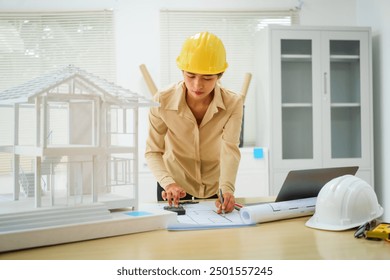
(173, 193)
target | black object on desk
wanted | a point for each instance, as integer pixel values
(179, 210)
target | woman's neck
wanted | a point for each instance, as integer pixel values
(199, 107)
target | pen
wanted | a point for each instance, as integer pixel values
(238, 206)
(221, 199)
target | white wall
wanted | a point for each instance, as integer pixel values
(375, 13)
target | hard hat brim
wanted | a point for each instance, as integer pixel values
(313, 223)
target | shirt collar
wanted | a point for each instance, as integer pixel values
(218, 100)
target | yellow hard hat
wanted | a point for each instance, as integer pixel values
(203, 53)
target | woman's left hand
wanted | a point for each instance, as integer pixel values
(228, 203)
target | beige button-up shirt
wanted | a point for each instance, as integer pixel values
(200, 158)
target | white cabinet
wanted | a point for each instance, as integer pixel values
(315, 99)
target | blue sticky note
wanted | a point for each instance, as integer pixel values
(138, 213)
(258, 153)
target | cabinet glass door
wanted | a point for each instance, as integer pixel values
(345, 100)
(297, 99)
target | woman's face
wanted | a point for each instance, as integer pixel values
(199, 86)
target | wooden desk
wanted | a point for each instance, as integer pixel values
(280, 240)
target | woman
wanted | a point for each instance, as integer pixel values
(192, 148)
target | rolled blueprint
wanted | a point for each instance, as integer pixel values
(267, 212)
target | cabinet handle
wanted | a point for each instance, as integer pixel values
(325, 83)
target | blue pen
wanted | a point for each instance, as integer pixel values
(221, 199)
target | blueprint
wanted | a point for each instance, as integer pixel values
(203, 215)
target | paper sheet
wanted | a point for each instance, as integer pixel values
(203, 215)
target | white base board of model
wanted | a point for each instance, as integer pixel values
(53, 226)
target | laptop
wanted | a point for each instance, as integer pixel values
(308, 183)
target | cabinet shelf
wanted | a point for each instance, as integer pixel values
(344, 58)
(342, 105)
(308, 57)
(297, 105)
(296, 57)
(308, 105)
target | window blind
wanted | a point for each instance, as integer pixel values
(236, 29)
(33, 43)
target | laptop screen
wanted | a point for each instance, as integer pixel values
(308, 183)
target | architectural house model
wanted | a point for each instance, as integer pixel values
(72, 141)
(75, 129)
(80, 128)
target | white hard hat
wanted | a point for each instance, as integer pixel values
(344, 203)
